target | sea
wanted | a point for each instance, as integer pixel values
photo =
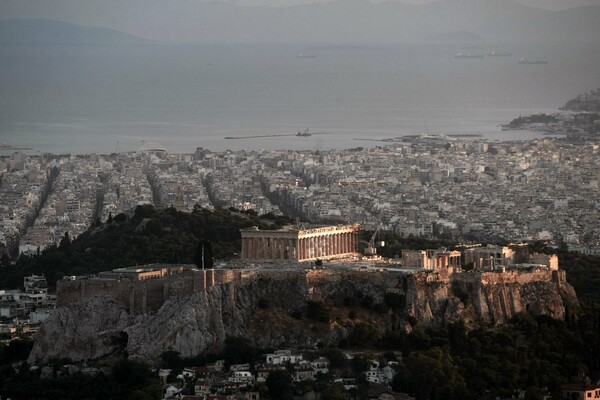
(94, 98)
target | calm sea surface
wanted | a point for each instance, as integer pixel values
(102, 98)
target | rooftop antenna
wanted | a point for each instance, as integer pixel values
(426, 128)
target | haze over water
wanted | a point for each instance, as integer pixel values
(86, 98)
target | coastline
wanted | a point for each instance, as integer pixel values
(91, 138)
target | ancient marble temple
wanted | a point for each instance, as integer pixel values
(298, 244)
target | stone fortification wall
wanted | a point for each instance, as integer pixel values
(193, 313)
(322, 283)
(512, 277)
(316, 277)
(139, 297)
(148, 296)
(495, 297)
(70, 291)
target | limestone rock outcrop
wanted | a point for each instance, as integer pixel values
(85, 330)
(266, 307)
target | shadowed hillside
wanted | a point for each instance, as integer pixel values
(150, 235)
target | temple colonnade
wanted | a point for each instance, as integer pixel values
(300, 244)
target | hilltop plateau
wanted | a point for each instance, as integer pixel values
(146, 235)
(284, 305)
(467, 317)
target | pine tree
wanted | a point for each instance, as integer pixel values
(65, 242)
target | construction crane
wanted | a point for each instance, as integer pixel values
(371, 249)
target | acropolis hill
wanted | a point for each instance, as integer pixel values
(192, 311)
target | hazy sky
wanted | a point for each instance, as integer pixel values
(548, 4)
(337, 21)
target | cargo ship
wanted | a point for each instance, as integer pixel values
(499, 54)
(304, 133)
(536, 61)
(468, 55)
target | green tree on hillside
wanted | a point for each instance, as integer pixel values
(280, 385)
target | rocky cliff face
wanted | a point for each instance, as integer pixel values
(267, 306)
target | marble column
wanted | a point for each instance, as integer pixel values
(304, 248)
(345, 236)
(262, 247)
(346, 243)
(335, 243)
(319, 246)
(267, 248)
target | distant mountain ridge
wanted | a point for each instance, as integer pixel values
(335, 22)
(47, 31)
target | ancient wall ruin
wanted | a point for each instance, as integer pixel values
(140, 297)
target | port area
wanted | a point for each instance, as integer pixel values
(8, 147)
(305, 133)
(408, 138)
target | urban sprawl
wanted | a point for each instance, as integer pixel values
(462, 189)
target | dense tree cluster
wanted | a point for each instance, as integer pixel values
(533, 119)
(529, 353)
(15, 350)
(583, 271)
(150, 235)
(126, 380)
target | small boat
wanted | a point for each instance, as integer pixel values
(499, 54)
(304, 133)
(536, 61)
(300, 55)
(468, 55)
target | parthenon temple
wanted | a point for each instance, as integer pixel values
(293, 243)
